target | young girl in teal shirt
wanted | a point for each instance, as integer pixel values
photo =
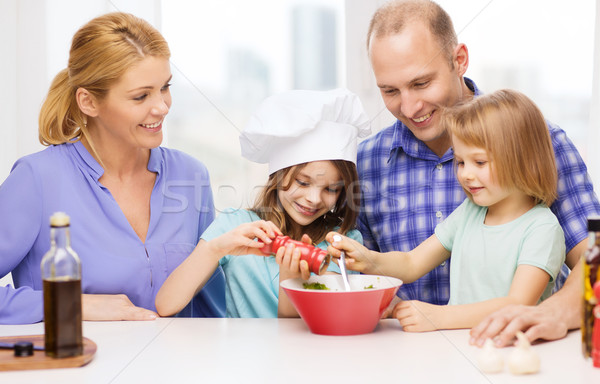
(309, 140)
(507, 246)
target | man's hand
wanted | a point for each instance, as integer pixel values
(537, 322)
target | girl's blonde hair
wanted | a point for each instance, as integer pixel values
(101, 52)
(513, 131)
(344, 213)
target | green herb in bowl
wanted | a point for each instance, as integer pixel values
(315, 285)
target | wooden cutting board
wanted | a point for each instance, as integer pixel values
(39, 360)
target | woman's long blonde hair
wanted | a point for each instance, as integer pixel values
(343, 214)
(514, 133)
(101, 52)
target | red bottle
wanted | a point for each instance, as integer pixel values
(596, 332)
(317, 259)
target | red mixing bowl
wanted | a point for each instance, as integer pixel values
(339, 312)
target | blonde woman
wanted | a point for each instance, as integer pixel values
(137, 209)
(507, 246)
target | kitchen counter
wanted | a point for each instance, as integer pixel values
(174, 350)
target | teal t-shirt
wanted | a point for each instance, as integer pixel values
(485, 258)
(251, 281)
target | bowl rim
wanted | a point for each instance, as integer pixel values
(396, 283)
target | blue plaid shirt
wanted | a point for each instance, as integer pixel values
(407, 190)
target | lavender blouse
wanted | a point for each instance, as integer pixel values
(114, 260)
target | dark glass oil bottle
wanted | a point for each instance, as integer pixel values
(591, 274)
(61, 275)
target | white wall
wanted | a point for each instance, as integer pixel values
(22, 67)
(360, 77)
(593, 160)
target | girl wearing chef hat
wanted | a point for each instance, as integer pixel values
(309, 140)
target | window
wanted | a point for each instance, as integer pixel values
(545, 50)
(228, 56)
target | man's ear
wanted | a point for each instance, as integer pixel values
(87, 103)
(461, 58)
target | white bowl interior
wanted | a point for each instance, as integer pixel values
(335, 283)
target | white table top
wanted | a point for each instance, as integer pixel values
(172, 350)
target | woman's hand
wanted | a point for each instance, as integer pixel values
(241, 240)
(416, 316)
(358, 257)
(113, 307)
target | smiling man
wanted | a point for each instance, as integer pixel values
(406, 170)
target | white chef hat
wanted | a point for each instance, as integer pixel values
(299, 126)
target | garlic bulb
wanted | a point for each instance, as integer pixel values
(523, 359)
(490, 360)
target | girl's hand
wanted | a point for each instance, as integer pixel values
(241, 240)
(416, 316)
(290, 267)
(388, 312)
(358, 257)
(290, 264)
(112, 307)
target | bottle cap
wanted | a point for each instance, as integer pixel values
(23, 349)
(321, 263)
(59, 219)
(593, 224)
